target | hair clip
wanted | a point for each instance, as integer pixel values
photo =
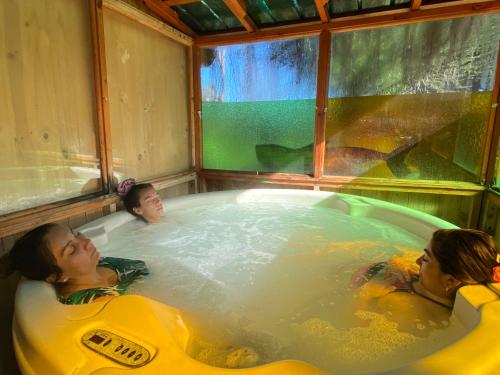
(124, 187)
(496, 274)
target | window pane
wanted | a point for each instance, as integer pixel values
(48, 147)
(148, 100)
(258, 106)
(412, 101)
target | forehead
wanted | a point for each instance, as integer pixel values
(57, 234)
(148, 192)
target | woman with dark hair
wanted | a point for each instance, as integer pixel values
(141, 200)
(72, 264)
(416, 301)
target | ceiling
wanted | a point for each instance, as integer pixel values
(209, 17)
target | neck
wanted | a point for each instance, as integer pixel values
(420, 289)
(87, 280)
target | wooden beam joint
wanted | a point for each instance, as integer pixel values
(239, 9)
(169, 15)
(321, 7)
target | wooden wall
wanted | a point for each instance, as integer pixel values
(48, 145)
(148, 100)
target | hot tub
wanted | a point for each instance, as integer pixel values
(143, 335)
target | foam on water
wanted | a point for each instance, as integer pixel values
(268, 281)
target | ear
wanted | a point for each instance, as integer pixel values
(451, 283)
(137, 210)
(52, 279)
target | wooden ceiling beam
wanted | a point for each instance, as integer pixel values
(359, 22)
(415, 4)
(239, 9)
(169, 15)
(323, 14)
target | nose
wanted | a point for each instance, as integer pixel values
(85, 243)
(419, 260)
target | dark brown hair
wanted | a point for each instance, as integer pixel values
(31, 255)
(468, 255)
(132, 199)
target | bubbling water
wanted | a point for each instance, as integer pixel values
(260, 282)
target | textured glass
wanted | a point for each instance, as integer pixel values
(207, 16)
(258, 106)
(412, 101)
(367, 4)
(342, 6)
(265, 12)
(48, 143)
(336, 7)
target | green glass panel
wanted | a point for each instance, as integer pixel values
(207, 16)
(342, 6)
(336, 7)
(367, 4)
(258, 106)
(265, 12)
(412, 101)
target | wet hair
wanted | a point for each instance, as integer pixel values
(132, 199)
(31, 255)
(468, 255)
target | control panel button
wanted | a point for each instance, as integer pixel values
(116, 348)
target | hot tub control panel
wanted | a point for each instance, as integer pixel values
(117, 348)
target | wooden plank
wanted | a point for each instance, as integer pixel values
(415, 4)
(321, 103)
(34, 219)
(239, 9)
(101, 91)
(149, 99)
(272, 33)
(431, 187)
(323, 14)
(197, 108)
(169, 15)
(358, 22)
(488, 169)
(148, 21)
(172, 180)
(193, 72)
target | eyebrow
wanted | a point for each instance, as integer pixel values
(65, 247)
(428, 253)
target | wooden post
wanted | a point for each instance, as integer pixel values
(101, 92)
(492, 132)
(321, 103)
(198, 135)
(415, 4)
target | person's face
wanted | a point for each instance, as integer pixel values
(74, 254)
(150, 206)
(430, 275)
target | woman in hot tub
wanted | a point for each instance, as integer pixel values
(71, 263)
(422, 297)
(141, 200)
